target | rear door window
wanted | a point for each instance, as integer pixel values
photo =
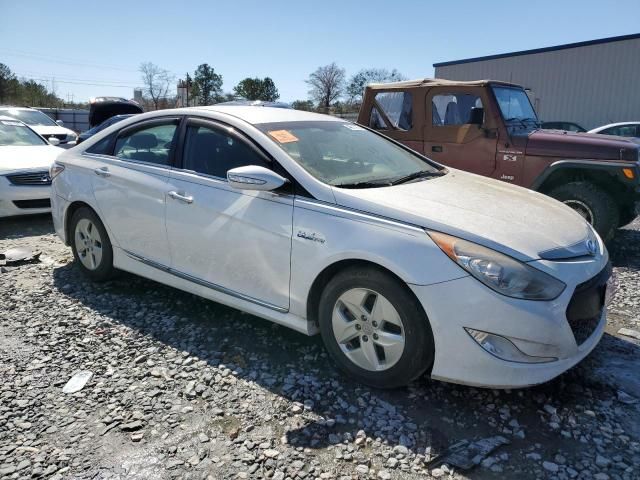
(453, 108)
(622, 131)
(397, 106)
(152, 144)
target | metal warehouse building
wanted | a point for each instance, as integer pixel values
(590, 83)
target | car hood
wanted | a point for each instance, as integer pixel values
(560, 143)
(518, 222)
(16, 159)
(45, 130)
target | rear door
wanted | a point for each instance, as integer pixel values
(130, 184)
(237, 242)
(451, 139)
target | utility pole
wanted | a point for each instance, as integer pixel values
(187, 86)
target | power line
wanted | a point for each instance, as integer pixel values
(47, 58)
(71, 80)
(29, 73)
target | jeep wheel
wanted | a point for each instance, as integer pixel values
(627, 215)
(594, 204)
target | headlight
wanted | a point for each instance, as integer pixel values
(71, 137)
(499, 272)
(55, 170)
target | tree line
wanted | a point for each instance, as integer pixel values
(28, 92)
(330, 91)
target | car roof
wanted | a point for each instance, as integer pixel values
(257, 115)
(11, 107)
(6, 117)
(618, 124)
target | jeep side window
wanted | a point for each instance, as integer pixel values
(376, 121)
(397, 106)
(453, 108)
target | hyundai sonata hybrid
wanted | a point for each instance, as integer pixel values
(403, 266)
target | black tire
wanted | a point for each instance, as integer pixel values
(627, 215)
(418, 352)
(104, 270)
(602, 209)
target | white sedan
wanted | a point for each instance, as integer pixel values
(404, 267)
(25, 159)
(621, 129)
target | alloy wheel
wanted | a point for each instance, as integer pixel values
(88, 244)
(368, 329)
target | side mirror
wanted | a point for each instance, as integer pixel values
(476, 117)
(60, 122)
(253, 177)
(53, 141)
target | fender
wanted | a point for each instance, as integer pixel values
(615, 169)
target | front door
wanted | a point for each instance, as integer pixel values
(130, 184)
(237, 242)
(451, 139)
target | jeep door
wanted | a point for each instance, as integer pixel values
(237, 242)
(449, 136)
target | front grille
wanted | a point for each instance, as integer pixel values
(31, 178)
(60, 136)
(37, 203)
(585, 308)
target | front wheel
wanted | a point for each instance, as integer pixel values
(91, 245)
(374, 328)
(594, 204)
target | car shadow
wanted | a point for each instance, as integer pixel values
(425, 414)
(624, 249)
(25, 226)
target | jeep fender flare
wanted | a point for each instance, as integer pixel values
(612, 168)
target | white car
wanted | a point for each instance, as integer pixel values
(25, 160)
(43, 124)
(405, 267)
(621, 129)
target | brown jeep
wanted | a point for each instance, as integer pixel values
(490, 128)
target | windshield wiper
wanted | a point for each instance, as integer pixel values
(416, 175)
(364, 184)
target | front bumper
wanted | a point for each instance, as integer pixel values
(23, 200)
(537, 328)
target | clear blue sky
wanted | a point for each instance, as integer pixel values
(79, 42)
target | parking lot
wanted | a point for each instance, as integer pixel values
(186, 388)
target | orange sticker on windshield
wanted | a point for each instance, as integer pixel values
(283, 136)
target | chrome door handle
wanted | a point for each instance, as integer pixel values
(183, 198)
(102, 172)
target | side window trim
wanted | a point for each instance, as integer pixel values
(154, 122)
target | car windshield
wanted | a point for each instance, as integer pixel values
(30, 117)
(344, 154)
(514, 104)
(17, 134)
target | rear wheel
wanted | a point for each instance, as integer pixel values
(594, 204)
(91, 245)
(374, 328)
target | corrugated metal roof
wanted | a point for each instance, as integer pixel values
(541, 50)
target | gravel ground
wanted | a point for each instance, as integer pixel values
(186, 388)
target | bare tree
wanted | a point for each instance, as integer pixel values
(156, 81)
(327, 85)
